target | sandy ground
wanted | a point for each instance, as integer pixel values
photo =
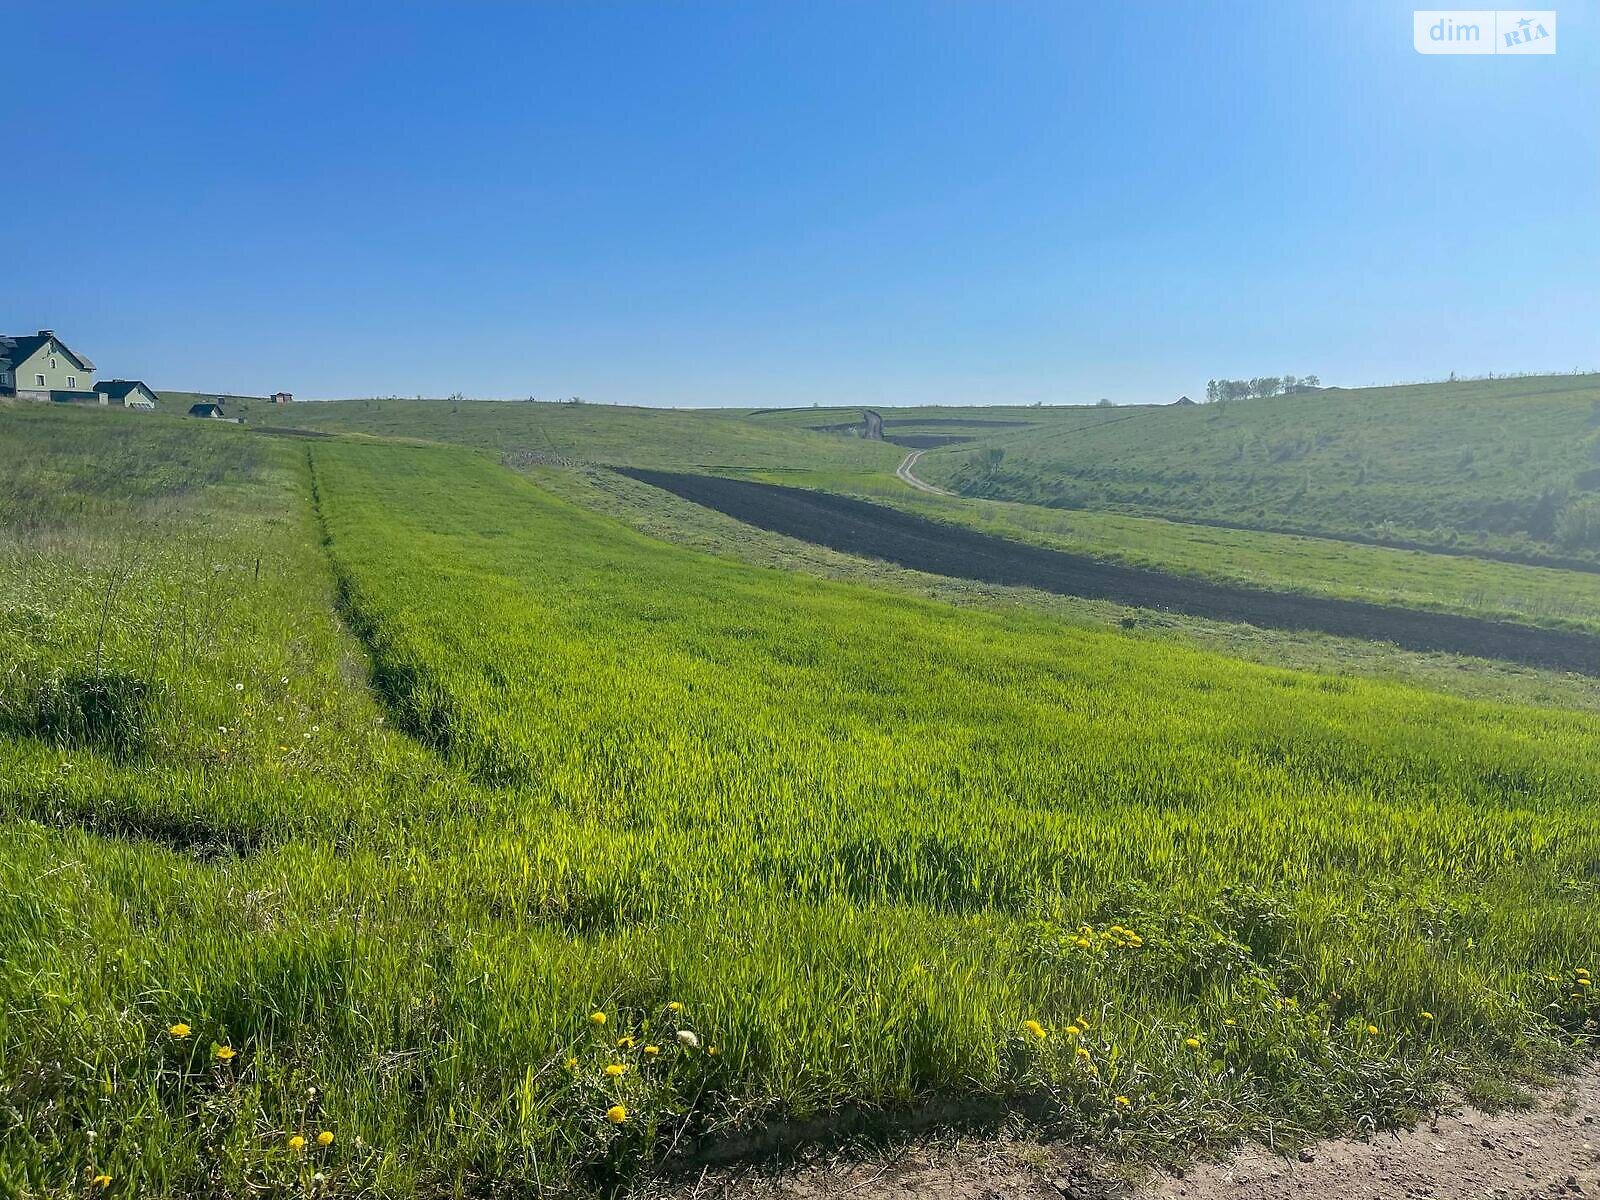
(1548, 1151)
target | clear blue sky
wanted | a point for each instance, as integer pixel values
(720, 203)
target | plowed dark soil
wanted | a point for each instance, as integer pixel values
(873, 531)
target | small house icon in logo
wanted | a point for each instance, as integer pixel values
(1525, 31)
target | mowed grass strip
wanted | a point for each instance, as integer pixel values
(878, 852)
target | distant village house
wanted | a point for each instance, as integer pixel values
(210, 409)
(40, 366)
(281, 398)
(126, 393)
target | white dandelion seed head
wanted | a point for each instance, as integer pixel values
(687, 1038)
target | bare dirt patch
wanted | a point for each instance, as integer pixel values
(874, 531)
(1548, 1151)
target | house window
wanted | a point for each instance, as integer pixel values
(52, 364)
(39, 380)
(72, 383)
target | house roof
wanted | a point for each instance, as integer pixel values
(205, 409)
(19, 347)
(118, 389)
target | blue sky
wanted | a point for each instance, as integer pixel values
(707, 203)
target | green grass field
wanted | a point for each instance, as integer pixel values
(376, 770)
(1511, 464)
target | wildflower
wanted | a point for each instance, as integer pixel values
(1229, 1021)
(652, 1050)
(1123, 1102)
(1034, 1028)
(1072, 1031)
(674, 1007)
(1082, 1052)
(325, 1138)
(1081, 943)
(179, 1031)
(713, 1051)
(1372, 1031)
(1426, 1015)
(1583, 982)
(615, 1069)
(1192, 1042)
(1135, 940)
(224, 1053)
(572, 1064)
(624, 1043)
(687, 1038)
(297, 1142)
(616, 1114)
(1082, 1022)
(597, 1018)
(100, 1181)
(238, 687)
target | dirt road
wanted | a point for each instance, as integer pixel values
(1547, 1152)
(904, 472)
(874, 531)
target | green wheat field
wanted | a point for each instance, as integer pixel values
(385, 814)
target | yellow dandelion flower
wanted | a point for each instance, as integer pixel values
(674, 1007)
(1229, 1021)
(1192, 1042)
(1581, 972)
(616, 1114)
(1081, 943)
(100, 1181)
(296, 1142)
(1123, 1102)
(325, 1138)
(1072, 1031)
(1583, 983)
(571, 1064)
(1082, 1022)
(1093, 1070)
(224, 1053)
(652, 1050)
(713, 1051)
(624, 1043)
(1034, 1028)
(1426, 1015)
(1135, 940)
(597, 1018)
(180, 1030)
(615, 1069)
(1372, 1031)
(1083, 1052)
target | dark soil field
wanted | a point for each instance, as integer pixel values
(858, 527)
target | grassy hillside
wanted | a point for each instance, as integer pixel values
(588, 432)
(1512, 463)
(874, 851)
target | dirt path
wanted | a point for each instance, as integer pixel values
(875, 531)
(1546, 1152)
(904, 472)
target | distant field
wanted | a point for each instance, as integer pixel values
(383, 768)
(707, 440)
(1411, 578)
(1511, 464)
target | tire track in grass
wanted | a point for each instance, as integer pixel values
(874, 531)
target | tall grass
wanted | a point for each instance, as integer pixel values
(862, 840)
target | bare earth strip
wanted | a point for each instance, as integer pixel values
(875, 531)
(1546, 1152)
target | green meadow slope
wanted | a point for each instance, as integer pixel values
(1509, 464)
(345, 783)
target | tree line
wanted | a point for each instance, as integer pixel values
(1267, 385)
